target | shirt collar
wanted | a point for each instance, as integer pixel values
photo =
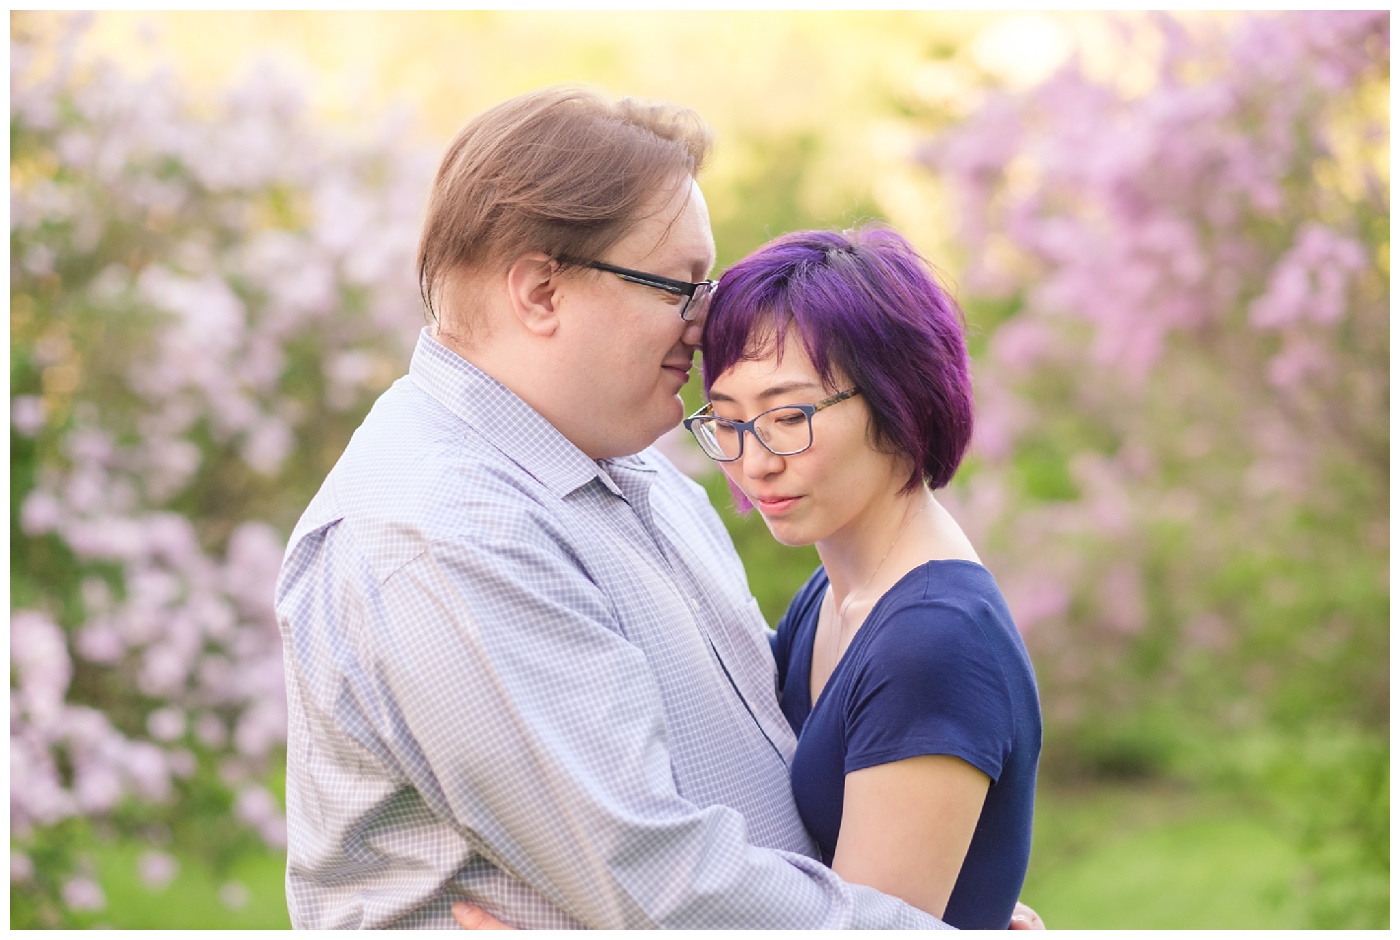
(507, 423)
(500, 416)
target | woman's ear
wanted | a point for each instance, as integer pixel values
(533, 283)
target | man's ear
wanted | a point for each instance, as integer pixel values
(533, 282)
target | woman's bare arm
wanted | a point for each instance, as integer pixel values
(906, 827)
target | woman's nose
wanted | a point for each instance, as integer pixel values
(758, 461)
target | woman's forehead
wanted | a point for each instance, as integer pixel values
(768, 364)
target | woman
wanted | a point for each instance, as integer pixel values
(839, 401)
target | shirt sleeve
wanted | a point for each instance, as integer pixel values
(521, 714)
(929, 683)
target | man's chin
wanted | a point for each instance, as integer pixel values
(670, 413)
(641, 436)
(667, 420)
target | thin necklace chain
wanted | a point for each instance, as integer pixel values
(845, 605)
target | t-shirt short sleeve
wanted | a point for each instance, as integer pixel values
(929, 682)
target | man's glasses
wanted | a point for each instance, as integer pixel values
(783, 431)
(695, 295)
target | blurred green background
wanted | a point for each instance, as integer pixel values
(1170, 235)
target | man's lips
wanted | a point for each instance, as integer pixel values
(681, 369)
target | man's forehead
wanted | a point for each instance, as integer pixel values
(677, 227)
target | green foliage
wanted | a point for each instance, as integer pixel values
(1326, 788)
(1126, 857)
(247, 893)
(1260, 831)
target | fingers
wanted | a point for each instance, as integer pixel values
(1023, 918)
(471, 918)
(474, 918)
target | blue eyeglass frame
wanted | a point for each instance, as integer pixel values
(752, 425)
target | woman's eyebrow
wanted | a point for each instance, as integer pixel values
(785, 388)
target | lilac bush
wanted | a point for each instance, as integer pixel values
(1181, 291)
(204, 300)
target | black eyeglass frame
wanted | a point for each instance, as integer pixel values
(687, 289)
(752, 425)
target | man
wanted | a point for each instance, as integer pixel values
(524, 667)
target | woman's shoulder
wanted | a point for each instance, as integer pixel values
(941, 604)
(943, 641)
(958, 586)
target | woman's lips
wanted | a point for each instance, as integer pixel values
(776, 505)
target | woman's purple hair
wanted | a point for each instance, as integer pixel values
(867, 304)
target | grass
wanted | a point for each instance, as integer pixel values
(1154, 857)
(196, 898)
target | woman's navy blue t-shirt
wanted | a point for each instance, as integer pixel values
(938, 667)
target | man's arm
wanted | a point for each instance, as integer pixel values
(521, 715)
(474, 918)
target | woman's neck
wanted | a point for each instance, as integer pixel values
(888, 542)
(866, 551)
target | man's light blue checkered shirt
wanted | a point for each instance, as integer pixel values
(526, 679)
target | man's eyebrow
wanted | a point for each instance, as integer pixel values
(774, 391)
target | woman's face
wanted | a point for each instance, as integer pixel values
(826, 492)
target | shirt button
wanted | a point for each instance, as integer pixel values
(695, 605)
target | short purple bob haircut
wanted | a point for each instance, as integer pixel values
(867, 304)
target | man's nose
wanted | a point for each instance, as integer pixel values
(695, 329)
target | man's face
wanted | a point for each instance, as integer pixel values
(628, 351)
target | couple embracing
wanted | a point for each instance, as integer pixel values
(524, 667)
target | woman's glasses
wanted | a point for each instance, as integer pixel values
(784, 431)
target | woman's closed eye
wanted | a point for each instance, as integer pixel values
(722, 428)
